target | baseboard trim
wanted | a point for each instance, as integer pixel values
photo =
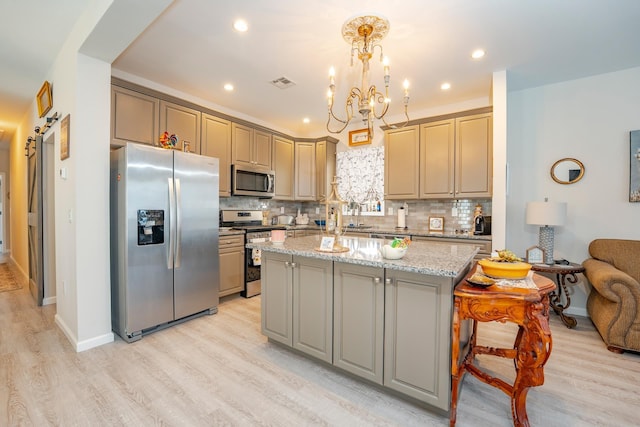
(85, 344)
(577, 311)
(24, 274)
(48, 301)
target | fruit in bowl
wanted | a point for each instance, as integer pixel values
(506, 266)
(389, 252)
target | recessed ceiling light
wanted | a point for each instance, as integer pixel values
(445, 86)
(228, 87)
(477, 54)
(240, 25)
(306, 120)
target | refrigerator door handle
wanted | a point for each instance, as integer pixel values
(179, 224)
(172, 222)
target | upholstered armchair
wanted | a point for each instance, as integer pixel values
(614, 302)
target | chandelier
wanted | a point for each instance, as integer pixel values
(364, 33)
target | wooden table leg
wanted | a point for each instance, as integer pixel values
(533, 350)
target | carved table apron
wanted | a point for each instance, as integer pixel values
(529, 308)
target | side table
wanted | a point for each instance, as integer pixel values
(565, 273)
(529, 309)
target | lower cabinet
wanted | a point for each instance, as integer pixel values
(417, 336)
(359, 320)
(297, 303)
(231, 250)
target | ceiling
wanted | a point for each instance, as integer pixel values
(193, 49)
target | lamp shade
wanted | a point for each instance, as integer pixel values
(546, 213)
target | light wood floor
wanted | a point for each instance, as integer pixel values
(219, 370)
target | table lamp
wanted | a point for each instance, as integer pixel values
(546, 214)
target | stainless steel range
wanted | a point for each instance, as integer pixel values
(255, 231)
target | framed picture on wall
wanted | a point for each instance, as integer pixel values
(359, 137)
(44, 100)
(64, 138)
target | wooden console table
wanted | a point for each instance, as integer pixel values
(529, 308)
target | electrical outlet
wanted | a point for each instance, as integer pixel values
(281, 209)
(64, 287)
(454, 211)
(317, 211)
(390, 211)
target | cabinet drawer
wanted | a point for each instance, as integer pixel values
(235, 240)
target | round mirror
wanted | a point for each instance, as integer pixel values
(567, 171)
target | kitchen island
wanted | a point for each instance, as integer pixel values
(387, 321)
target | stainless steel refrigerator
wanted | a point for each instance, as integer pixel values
(164, 238)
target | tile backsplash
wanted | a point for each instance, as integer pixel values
(418, 211)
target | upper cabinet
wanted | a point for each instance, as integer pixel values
(437, 159)
(283, 166)
(325, 167)
(216, 142)
(449, 158)
(183, 122)
(134, 117)
(474, 156)
(250, 147)
(401, 163)
(305, 171)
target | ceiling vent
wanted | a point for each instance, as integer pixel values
(282, 83)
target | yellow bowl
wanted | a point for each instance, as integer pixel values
(504, 270)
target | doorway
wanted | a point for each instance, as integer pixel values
(41, 219)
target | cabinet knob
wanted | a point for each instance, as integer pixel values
(387, 281)
(287, 264)
(293, 265)
(376, 280)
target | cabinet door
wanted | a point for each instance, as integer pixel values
(183, 122)
(134, 117)
(276, 298)
(358, 320)
(417, 336)
(474, 156)
(325, 168)
(305, 171)
(401, 163)
(262, 149)
(313, 307)
(437, 161)
(216, 142)
(241, 145)
(231, 265)
(283, 166)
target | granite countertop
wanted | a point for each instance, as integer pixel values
(423, 232)
(438, 259)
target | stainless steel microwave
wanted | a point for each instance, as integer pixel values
(252, 181)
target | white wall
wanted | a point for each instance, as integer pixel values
(81, 88)
(588, 119)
